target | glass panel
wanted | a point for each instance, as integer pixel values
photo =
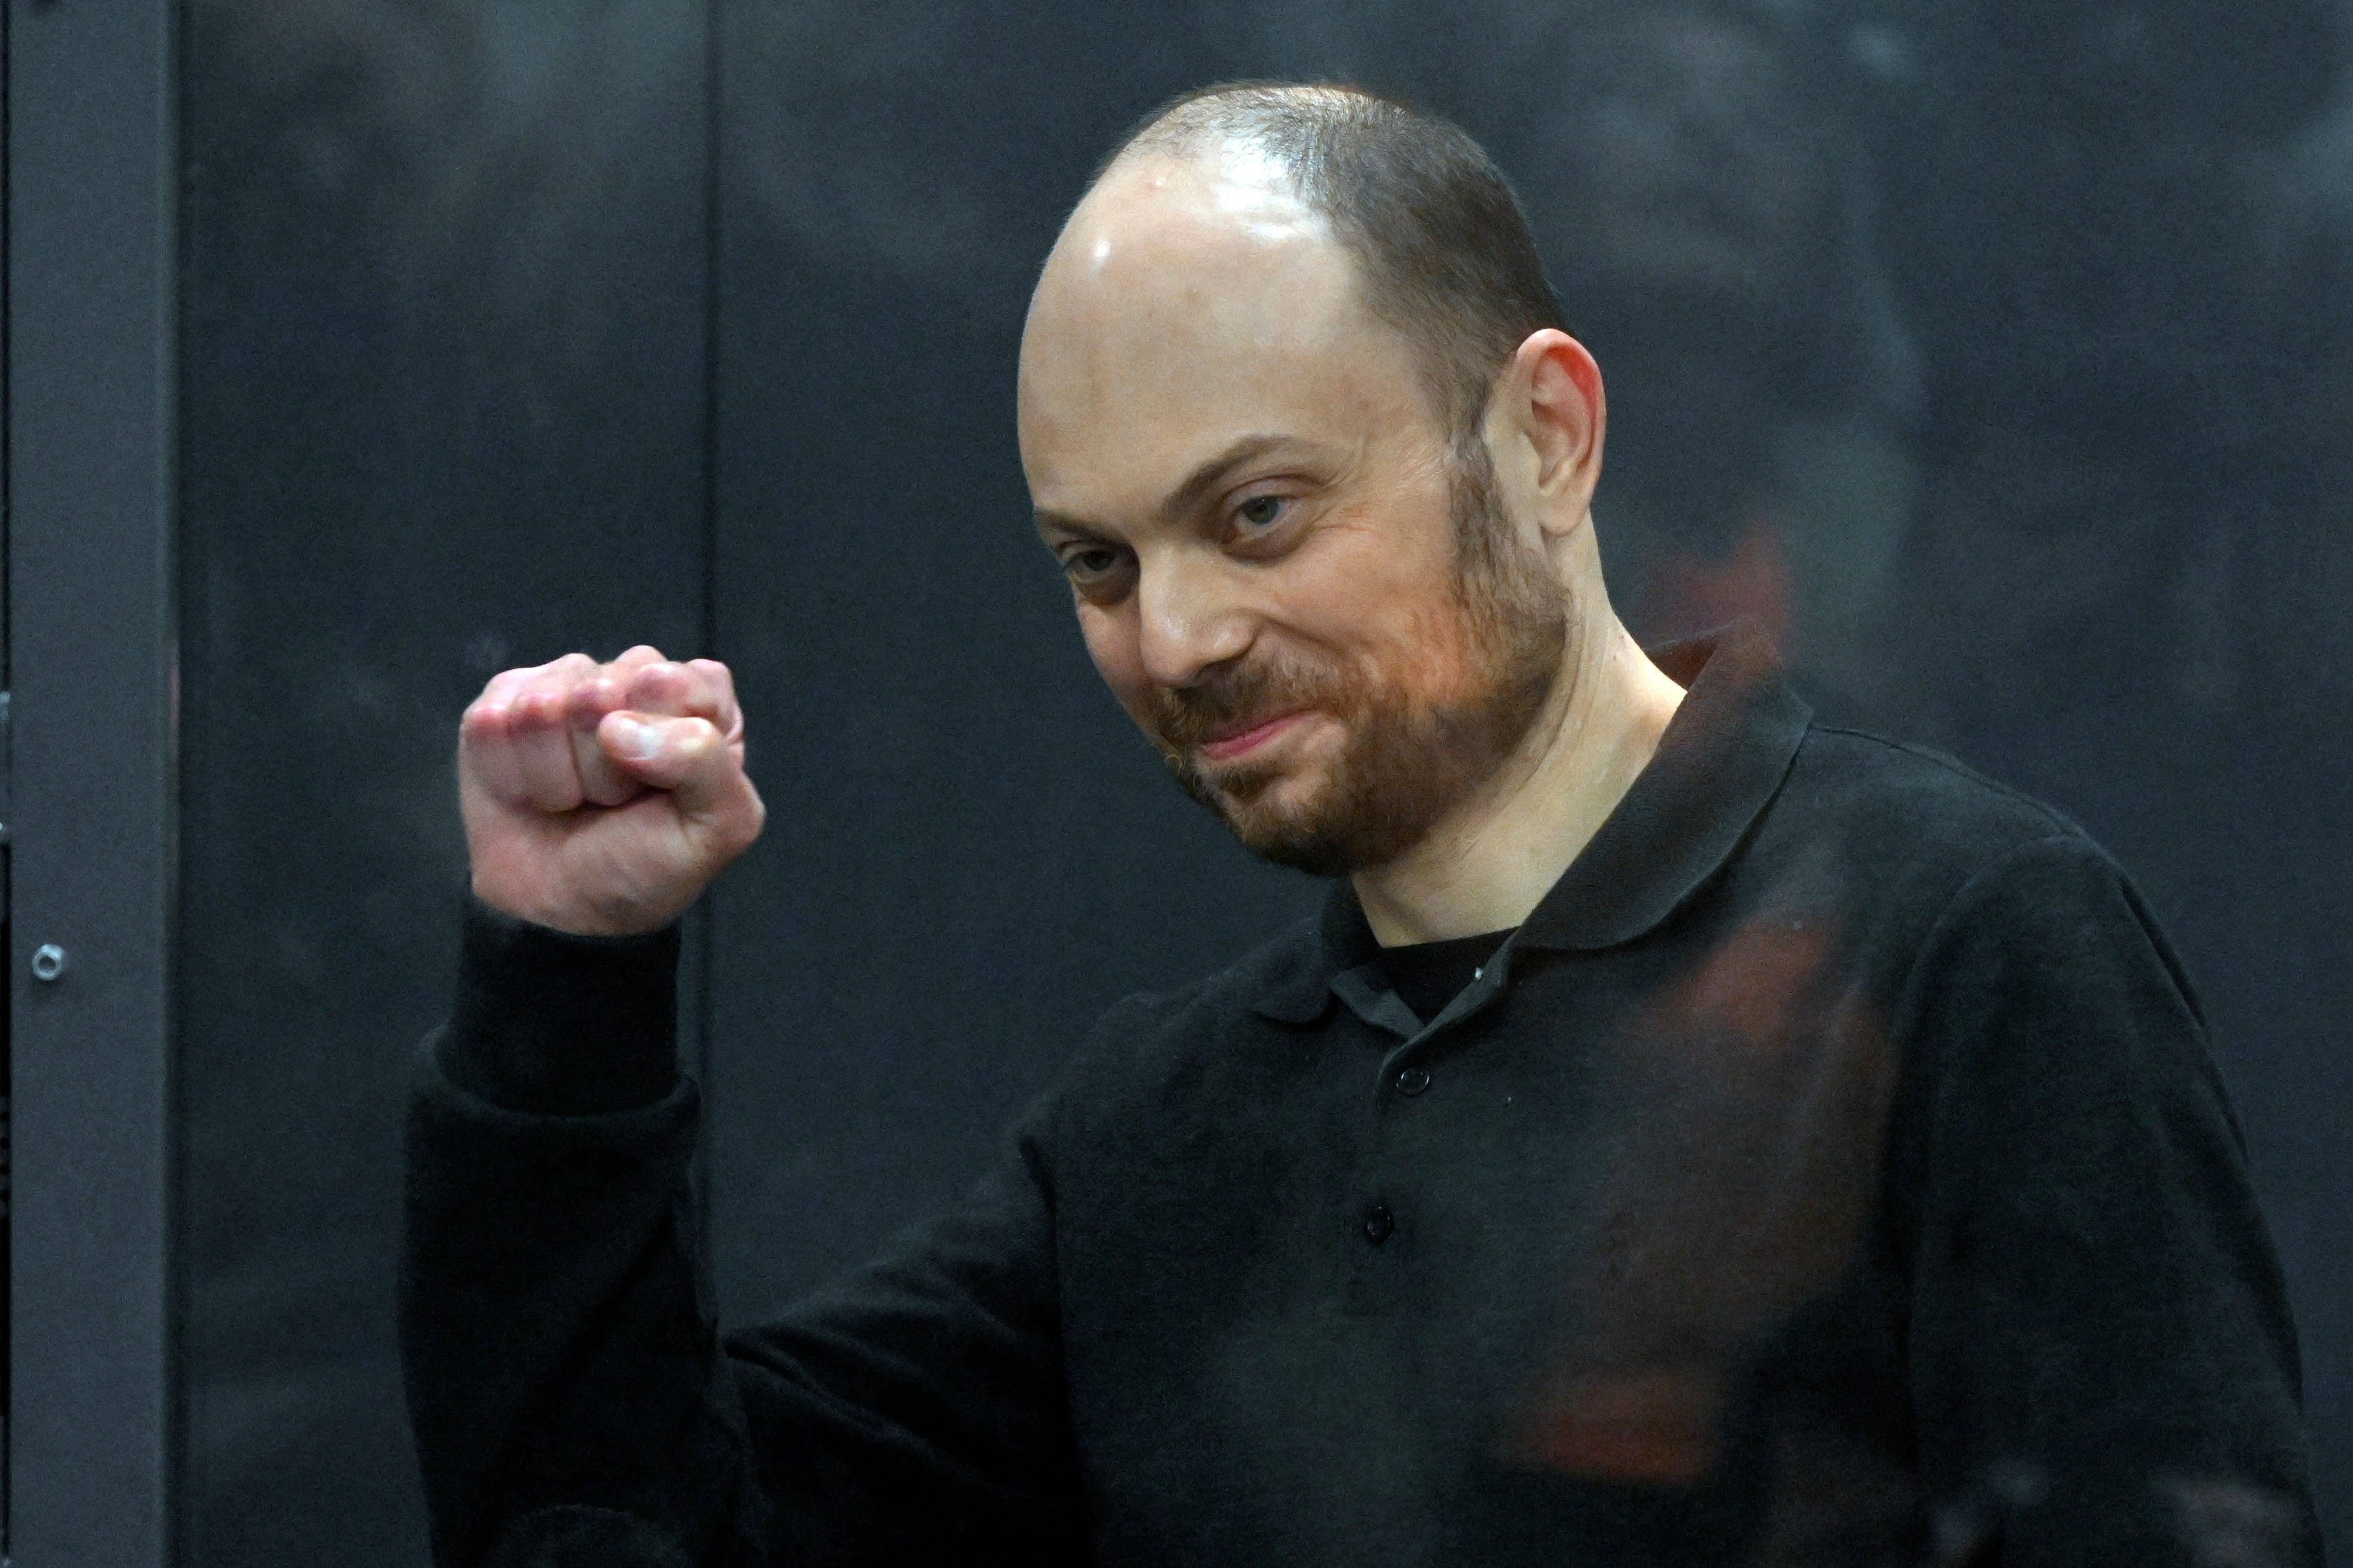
(1993, 357)
(1000, 858)
(443, 405)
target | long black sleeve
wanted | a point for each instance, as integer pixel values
(566, 1378)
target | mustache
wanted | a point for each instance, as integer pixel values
(1232, 701)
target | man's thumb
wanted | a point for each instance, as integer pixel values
(688, 757)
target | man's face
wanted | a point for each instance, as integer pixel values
(1254, 500)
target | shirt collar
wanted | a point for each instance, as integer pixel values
(1722, 759)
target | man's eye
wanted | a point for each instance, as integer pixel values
(1085, 566)
(1261, 511)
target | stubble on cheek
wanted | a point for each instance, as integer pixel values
(1422, 727)
(1406, 734)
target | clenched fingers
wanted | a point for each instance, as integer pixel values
(643, 682)
(515, 740)
(601, 783)
(532, 739)
(697, 689)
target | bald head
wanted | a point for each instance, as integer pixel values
(1195, 293)
(1440, 250)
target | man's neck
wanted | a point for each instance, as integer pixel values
(1488, 864)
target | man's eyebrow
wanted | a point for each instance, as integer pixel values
(1206, 478)
(1185, 497)
(1051, 522)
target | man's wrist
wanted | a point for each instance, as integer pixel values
(558, 1024)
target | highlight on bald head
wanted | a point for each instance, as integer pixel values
(1443, 249)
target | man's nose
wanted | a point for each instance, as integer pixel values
(1192, 618)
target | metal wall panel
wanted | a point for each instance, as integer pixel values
(91, 285)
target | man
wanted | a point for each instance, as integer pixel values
(1688, 1135)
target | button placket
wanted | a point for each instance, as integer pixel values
(1372, 1284)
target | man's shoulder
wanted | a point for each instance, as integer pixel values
(1897, 804)
(1858, 773)
(1897, 835)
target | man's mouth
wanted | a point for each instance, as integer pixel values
(1228, 745)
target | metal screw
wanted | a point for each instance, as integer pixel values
(48, 961)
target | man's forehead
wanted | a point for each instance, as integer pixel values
(1193, 305)
(1192, 301)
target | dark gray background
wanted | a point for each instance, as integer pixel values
(1996, 350)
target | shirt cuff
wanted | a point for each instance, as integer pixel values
(555, 1025)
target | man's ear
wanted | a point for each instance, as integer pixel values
(1552, 391)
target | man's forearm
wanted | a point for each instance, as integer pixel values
(555, 1348)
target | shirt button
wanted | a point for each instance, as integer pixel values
(1378, 1223)
(1412, 1081)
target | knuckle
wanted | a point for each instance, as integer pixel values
(553, 669)
(483, 720)
(592, 696)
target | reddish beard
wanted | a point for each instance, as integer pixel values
(1410, 756)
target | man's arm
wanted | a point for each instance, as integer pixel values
(570, 1395)
(565, 1379)
(2096, 1310)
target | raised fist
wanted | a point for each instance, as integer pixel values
(600, 799)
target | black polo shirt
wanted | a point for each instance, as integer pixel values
(1831, 1167)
